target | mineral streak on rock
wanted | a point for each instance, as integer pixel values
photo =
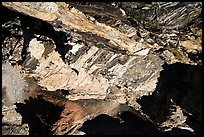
(129, 63)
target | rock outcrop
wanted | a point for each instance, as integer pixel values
(134, 57)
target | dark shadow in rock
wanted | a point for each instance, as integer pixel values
(196, 57)
(10, 29)
(75, 70)
(107, 125)
(179, 84)
(60, 40)
(194, 123)
(30, 26)
(39, 114)
(58, 94)
(8, 14)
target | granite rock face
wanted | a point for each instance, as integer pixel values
(136, 58)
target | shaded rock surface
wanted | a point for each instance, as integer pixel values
(129, 57)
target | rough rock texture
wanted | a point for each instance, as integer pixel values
(127, 59)
(13, 83)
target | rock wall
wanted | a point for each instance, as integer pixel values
(136, 54)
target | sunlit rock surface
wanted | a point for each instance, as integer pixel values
(125, 56)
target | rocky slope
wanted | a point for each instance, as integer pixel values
(130, 62)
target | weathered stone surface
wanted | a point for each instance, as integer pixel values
(127, 53)
(13, 83)
(76, 20)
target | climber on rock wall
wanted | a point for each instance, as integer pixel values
(69, 38)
